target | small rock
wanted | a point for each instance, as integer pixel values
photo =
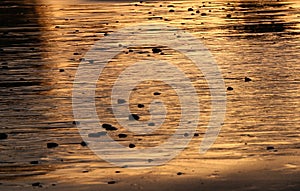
(36, 184)
(75, 122)
(270, 148)
(141, 105)
(131, 145)
(61, 70)
(34, 162)
(197, 11)
(122, 135)
(228, 15)
(185, 134)
(150, 160)
(179, 173)
(3, 136)
(196, 134)
(247, 79)
(133, 117)
(111, 182)
(171, 10)
(75, 53)
(109, 127)
(121, 101)
(52, 145)
(170, 6)
(95, 135)
(203, 14)
(156, 50)
(229, 88)
(190, 9)
(83, 143)
(117, 171)
(151, 124)
(156, 93)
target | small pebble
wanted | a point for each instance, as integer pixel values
(141, 105)
(228, 15)
(133, 117)
(171, 11)
(196, 134)
(229, 88)
(197, 11)
(203, 14)
(122, 135)
(36, 184)
(109, 127)
(179, 173)
(95, 135)
(52, 145)
(83, 143)
(151, 124)
(75, 122)
(34, 162)
(170, 6)
(61, 70)
(121, 101)
(117, 171)
(270, 148)
(3, 136)
(111, 182)
(150, 160)
(156, 93)
(190, 9)
(247, 79)
(131, 145)
(185, 134)
(156, 50)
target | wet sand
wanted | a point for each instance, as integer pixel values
(43, 42)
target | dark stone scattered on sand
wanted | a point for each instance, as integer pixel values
(270, 148)
(52, 145)
(83, 143)
(133, 117)
(111, 182)
(197, 11)
(85, 171)
(190, 9)
(117, 171)
(247, 79)
(179, 173)
(130, 50)
(95, 135)
(228, 15)
(75, 53)
(36, 184)
(34, 162)
(121, 101)
(131, 145)
(171, 11)
(61, 70)
(156, 50)
(156, 93)
(185, 134)
(57, 27)
(203, 14)
(75, 122)
(150, 160)
(122, 135)
(3, 136)
(151, 124)
(141, 105)
(109, 127)
(196, 134)
(53, 184)
(229, 88)
(170, 6)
